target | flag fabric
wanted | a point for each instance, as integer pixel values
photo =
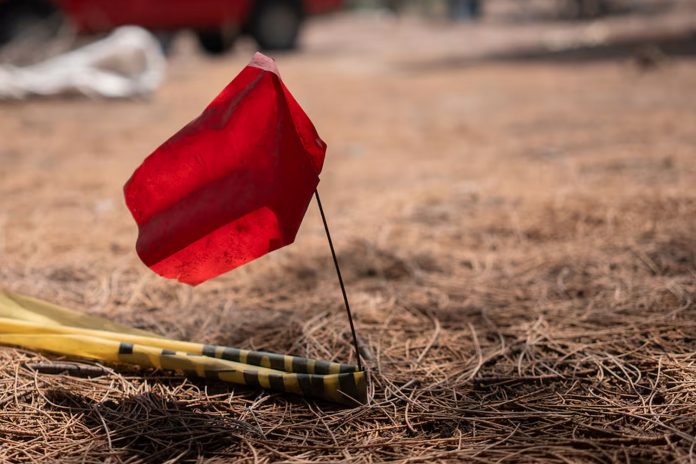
(232, 185)
(38, 325)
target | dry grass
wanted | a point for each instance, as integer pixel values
(518, 242)
(567, 353)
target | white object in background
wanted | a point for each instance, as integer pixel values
(127, 63)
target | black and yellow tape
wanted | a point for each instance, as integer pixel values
(38, 325)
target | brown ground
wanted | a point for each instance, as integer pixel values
(517, 237)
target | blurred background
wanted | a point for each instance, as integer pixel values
(31, 30)
(440, 115)
(427, 106)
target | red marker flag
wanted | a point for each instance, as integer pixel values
(232, 185)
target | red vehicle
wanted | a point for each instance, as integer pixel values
(274, 24)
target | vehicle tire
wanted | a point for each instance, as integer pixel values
(35, 20)
(216, 41)
(275, 24)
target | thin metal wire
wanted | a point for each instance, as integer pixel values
(340, 279)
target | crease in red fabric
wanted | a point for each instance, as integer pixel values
(230, 186)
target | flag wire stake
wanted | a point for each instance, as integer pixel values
(340, 279)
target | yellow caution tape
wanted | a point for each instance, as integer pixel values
(38, 325)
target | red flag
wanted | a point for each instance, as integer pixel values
(232, 185)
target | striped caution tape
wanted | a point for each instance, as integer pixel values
(38, 325)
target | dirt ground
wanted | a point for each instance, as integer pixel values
(517, 237)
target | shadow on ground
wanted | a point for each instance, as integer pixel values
(570, 12)
(645, 51)
(151, 427)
